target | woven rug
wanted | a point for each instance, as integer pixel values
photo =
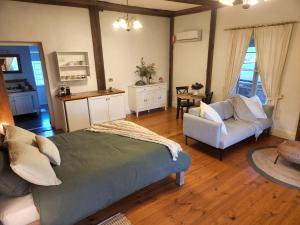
(118, 219)
(283, 172)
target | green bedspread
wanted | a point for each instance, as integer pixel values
(97, 170)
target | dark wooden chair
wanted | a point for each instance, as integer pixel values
(208, 98)
(181, 103)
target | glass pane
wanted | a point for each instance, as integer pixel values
(260, 92)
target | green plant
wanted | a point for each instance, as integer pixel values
(145, 70)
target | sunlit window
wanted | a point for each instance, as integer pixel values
(249, 82)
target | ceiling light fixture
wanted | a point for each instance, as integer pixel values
(127, 23)
(246, 3)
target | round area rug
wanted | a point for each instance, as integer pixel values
(283, 172)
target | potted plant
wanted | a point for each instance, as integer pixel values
(196, 88)
(145, 72)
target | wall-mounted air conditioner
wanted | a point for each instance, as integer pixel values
(192, 35)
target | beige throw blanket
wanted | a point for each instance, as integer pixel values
(132, 130)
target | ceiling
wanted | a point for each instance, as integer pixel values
(155, 4)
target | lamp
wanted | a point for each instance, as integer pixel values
(127, 23)
(246, 3)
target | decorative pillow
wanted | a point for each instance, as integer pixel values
(10, 183)
(209, 113)
(27, 161)
(13, 133)
(48, 148)
(255, 106)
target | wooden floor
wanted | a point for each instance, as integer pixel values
(215, 193)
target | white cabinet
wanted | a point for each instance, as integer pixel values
(106, 108)
(81, 113)
(147, 97)
(77, 114)
(24, 103)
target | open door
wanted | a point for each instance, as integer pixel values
(6, 116)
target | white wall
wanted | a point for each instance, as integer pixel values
(59, 28)
(190, 58)
(268, 12)
(123, 50)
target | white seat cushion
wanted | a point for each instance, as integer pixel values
(237, 131)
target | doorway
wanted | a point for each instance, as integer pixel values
(26, 87)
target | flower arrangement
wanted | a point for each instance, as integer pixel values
(145, 71)
(196, 88)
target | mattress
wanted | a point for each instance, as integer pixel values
(18, 210)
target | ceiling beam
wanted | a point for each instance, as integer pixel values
(198, 2)
(100, 5)
(197, 9)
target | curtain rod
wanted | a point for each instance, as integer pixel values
(261, 25)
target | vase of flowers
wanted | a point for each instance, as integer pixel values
(196, 88)
(145, 72)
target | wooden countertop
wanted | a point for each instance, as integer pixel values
(82, 95)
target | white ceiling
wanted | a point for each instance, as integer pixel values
(154, 4)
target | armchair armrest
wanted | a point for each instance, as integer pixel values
(203, 130)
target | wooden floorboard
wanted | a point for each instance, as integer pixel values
(215, 192)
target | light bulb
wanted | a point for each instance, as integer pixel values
(116, 25)
(227, 2)
(137, 25)
(123, 24)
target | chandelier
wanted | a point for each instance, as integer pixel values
(127, 23)
(246, 3)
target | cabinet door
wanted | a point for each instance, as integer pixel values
(98, 109)
(77, 114)
(24, 104)
(116, 107)
(141, 100)
(12, 105)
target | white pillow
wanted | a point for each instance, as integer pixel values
(207, 112)
(255, 106)
(27, 161)
(48, 148)
(14, 133)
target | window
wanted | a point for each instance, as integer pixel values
(249, 82)
(38, 73)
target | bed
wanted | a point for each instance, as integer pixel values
(97, 170)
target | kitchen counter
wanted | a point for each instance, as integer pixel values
(83, 95)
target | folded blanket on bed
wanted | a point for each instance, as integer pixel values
(132, 130)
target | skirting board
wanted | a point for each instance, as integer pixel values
(284, 134)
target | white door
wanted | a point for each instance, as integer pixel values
(98, 109)
(141, 100)
(116, 107)
(24, 104)
(77, 114)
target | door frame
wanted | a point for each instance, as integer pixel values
(44, 68)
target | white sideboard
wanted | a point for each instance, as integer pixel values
(24, 102)
(147, 97)
(84, 109)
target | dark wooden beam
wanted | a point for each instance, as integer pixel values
(171, 48)
(211, 45)
(298, 131)
(6, 116)
(198, 2)
(197, 9)
(97, 45)
(100, 5)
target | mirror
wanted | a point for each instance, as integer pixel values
(11, 64)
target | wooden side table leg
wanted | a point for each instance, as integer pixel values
(178, 107)
(276, 159)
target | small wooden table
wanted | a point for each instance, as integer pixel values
(187, 97)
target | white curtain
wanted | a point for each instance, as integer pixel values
(238, 46)
(271, 48)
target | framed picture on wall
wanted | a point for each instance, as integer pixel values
(12, 63)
